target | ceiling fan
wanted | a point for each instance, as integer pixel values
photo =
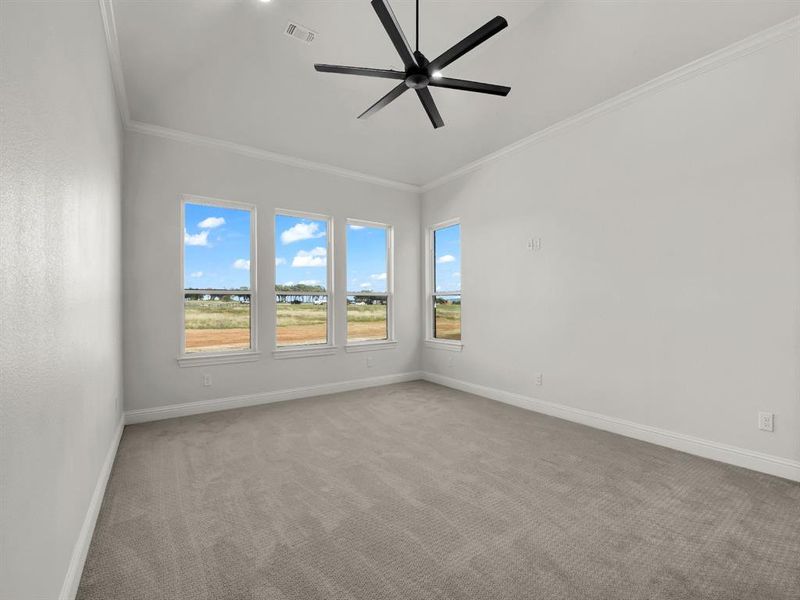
(419, 71)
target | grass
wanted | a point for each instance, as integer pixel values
(215, 314)
(447, 322)
(301, 324)
(366, 313)
(301, 314)
(218, 325)
(366, 322)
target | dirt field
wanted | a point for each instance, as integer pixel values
(362, 332)
(295, 335)
(213, 325)
(216, 325)
(448, 322)
(366, 322)
(217, 339)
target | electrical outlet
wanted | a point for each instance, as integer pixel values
(451, 362)
(539, 379)
(206, 380)
(535, 244)
(370, 361)
(766, 421)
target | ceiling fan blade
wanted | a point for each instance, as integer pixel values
(470, 86)
(474, 39)
(385, 73)
(430, 107)
(386, 15)
(390, 97)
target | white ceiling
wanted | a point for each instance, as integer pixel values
(224, 69)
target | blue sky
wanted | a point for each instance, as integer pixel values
(301, 251)
(447, 246)
(217, 251)
(216, 245)
(366, 258)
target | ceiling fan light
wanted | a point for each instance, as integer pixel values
(436, 75)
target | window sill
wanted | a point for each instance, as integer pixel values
(444, 345)
(303, 352)
(370, 346)
(201, 360)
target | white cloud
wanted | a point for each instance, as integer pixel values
(356, 227)
(378, 276)
(366, 286)
(287, 283)
(197, 274)
(447, 258)
(308, 282)
(280, 261)
(301, 231)
(196, 239)
(241, 263)
(317, 257)
(211, 222)
(457, 275)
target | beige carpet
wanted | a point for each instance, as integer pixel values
(418, 491)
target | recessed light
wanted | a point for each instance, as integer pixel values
(436, 74)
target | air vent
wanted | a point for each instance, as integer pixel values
(297, 31)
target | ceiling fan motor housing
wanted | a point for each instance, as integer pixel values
(417, 80)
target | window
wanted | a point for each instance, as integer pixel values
(302, 280)
(369, 282)
(219, 291)
(445, 291)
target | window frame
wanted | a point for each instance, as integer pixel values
(390, 340)
(429, 300)
(191, 359)
(302, 350)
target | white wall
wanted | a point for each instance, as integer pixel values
(667, 289)
(60, 348)
(157, 172)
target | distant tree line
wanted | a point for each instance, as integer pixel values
(299, 293)
(369, 300)
(241, 298)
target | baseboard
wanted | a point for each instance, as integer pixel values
(143, 415)
(73, 577)
(749, 459)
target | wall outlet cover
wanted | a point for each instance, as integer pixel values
(766, 421)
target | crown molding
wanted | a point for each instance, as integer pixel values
(258, 153)
(115, 62)
(707, 63)
(702, 65)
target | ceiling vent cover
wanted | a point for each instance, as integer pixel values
(297, 31)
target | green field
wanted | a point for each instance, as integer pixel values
(218, 325)
(447, 325)
(215, 325)
(366, 322)
(216, 314)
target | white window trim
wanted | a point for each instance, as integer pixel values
(304, 350)
(371, 345)
(430, 290)
(197, 359)
(390, 341)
